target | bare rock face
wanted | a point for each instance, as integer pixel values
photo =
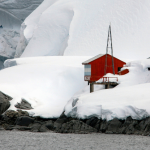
(75, 126)
(10, 116)
(24, 105)
(24, 121)
(4, 102)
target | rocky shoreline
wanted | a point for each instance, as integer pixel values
(20, 120)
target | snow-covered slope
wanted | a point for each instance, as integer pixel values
(45, 82)
(53, 84)
(12, 14)
(129, 98)
(75, 27)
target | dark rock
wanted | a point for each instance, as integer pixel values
(10, 116)
(122, 130)
(97, 126)
(75, 126)
(57, 126)
(62, 119)
(24, 121)
(4, 102)
(35, 127)
(5, 96)
(144, 125)
(43, 128)
(128, 121)
(7, 127)
(22, 113)
(50, 125)
(15, 114)
(24, 105)
(1, 127)
(92, 121)
(22, 128)
(103, 126)
(114, 125)
(131, 125)
(109, 132)
(147, 129)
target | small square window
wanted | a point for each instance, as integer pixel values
(119, 69)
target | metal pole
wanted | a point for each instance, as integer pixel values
(112, 51)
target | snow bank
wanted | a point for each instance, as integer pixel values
(45, 82)
(53, 84)
(75, 27)
(129, 98)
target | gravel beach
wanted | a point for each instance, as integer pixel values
(19, 140)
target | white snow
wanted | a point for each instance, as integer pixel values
(45, 82)
(54, 84)
(129, 98)
(75, 28)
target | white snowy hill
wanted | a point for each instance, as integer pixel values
(54, 84)
(130, 98)
(45, 82)
(79, 27)
(74, 29)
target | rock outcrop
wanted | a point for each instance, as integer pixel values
(24, 105)
(20, 120)
(4, 102)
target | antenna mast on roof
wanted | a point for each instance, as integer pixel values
(109, 46)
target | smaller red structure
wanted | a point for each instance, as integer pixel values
(96, 67)
(123, 72)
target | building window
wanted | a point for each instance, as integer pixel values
(119, 69)
(87, 70)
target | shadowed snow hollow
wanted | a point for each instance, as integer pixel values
(75, 27)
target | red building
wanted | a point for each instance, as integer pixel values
(95, 68)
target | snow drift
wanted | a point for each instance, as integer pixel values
(129, 98)
(75, 27)
(54, 84)
(45, 82)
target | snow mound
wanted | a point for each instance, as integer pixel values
(75, 27)
(129, 98)
(45, 82)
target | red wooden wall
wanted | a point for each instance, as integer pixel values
(98, 66)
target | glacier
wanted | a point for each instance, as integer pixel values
(12, 15)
